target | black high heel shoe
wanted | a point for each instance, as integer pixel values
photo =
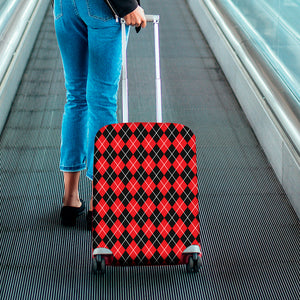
(69, 214)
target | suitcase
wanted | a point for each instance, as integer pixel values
(145, 205)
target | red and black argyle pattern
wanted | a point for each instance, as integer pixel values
(145, 192)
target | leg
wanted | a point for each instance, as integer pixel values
(71, 197)
(71, 35)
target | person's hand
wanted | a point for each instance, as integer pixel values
(136, 18)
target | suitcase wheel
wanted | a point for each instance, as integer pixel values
(194, 263)
(98, 264)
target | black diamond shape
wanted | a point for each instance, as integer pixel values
(125, 218)
(125, 239)
(156, 133)
(125, 260)
(156, 154)
(156, 239)
(187, 153)
(172, 154)
(172, 239)
(172, 175)
(96, 220)
(172, 133)
(125, 154)
(156, 259)
(187, 175)
(140, 133)
(187, 217)
(140, 154)
(186, 133)
(187, 196)
(172, 217)
(110, 133)
(110, 218)
(110, 197)
(110, 239)
(110, 154)
(141, 218)
(125, 133)
(156, 196)
(141, 175)
(141, 197)
(125, 175)
(187, 238)
(172, 258)
(156, 175)
(141, 239)
(156, 217)
(141, 259)
(172, 196)
(110, 176)
(125, 197)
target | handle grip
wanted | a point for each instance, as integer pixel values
(152, 18)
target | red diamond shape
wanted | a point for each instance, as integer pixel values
(193, 164)
(180, 207)
(193, 185)
(133, 143)
(164, 165)
(180, 228)
(118, 250)
(164, 143)
(102, 165)
(194, 228)
(194, 207)
(133, 186)
(133, 165)
(148, 143)
(117, 186)
(164, 249)
(102, 229)
(148, 165)
(192, 143)
(102, 186)
(117, 144)
(133, 250)
(179, 143)
(164, 207)
(179, 186)
(148, 228)
(164, 228)
(164, 186)
(148, 207)
(117, 207)
(133, 228)
(179, 248)
(179, 164)
(101, 208)
(101, 144)
(117, 165)
(148, 186)
(133, 207)
(148, 250)
(118, 229)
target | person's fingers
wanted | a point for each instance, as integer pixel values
(136, 18)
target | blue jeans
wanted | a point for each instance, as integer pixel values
(89, 40)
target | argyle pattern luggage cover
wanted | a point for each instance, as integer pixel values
(145, 192)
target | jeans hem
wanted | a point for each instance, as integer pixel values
(73, 169)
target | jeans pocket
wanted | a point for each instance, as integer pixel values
(57, 9)
(98, 9)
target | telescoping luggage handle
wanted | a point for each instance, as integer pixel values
(155, 20)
